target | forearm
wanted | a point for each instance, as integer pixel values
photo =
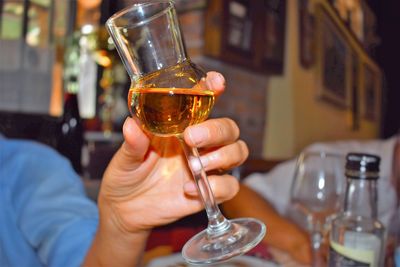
(112, 246)
(281, 232)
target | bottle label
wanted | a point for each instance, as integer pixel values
(358, 250)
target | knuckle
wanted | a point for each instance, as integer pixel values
(244, 150)
(233, 127)
(235, 188)
(215, 130)
(220, 129)
(237, 153)
(224, 186)
(231, 188)
(224, 127)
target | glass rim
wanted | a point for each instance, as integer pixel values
(110, 21)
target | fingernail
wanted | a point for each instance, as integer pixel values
(198, 134)
(217, 80)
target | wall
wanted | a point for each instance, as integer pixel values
(278, 115)
(245, 95)
(295, 115)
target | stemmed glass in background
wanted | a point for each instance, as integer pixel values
(168, 93)
(316, 195)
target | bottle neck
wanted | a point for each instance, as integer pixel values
(361, 198)
(71, 108)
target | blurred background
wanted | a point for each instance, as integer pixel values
(297, 71)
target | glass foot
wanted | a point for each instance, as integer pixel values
(243, 235)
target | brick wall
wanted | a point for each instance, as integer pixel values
(245, 97)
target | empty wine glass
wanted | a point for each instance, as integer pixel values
(168, 93)
(317, 195)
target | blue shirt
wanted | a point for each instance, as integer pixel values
(45, 217)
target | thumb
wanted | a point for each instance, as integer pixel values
(133, 150)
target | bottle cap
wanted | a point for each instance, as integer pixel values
(362, 166)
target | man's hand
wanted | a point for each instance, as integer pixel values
(148, 183)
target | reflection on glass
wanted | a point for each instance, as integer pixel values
(316, 195)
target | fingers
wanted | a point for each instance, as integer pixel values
(224, 187)
(213, 132)
(216, 82)
(134, 149)
(226, 157)
(221, 135)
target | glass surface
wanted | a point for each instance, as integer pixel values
(168, 93)
(357, 236)
(317, 195)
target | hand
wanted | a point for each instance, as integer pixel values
(148, 183)
(295, 243)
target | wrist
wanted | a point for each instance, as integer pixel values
(109, 249)
(113, 244)
(116, 219)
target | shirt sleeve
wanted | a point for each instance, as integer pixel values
(274, 185)
(51, 207)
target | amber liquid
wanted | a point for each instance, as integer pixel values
(171, 99)
(167, 111)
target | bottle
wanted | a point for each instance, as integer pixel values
(71, 132)
(356, 236)
(70, 139)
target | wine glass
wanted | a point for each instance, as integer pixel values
(168, 93)
(317, 195)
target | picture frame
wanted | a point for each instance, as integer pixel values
(247, 33)
(360, 19)
(183, 6)
(355, 90)
(307, 36)
(239, 27)
(237, 32)
(333, 62)
(370, 93)
(371, 39)
(274, 38)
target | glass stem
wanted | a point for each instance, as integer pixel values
(217, 223)
(316, 239)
